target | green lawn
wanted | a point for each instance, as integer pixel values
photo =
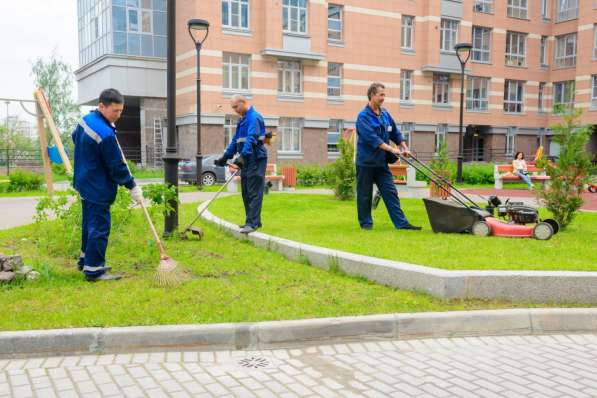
(321, 220)
(232, 281)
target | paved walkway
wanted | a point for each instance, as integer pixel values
(521, 366)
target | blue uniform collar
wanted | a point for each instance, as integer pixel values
(370, 111)
(98, 113)
(249, 111)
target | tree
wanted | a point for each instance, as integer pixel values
(344, 170)
(55, 77)
(571, 172)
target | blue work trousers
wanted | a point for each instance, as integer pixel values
(382, 177)
(253, 185)
(94, 238)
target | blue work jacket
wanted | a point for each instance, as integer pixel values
(249, 138)
(372, 131)
(99, 163)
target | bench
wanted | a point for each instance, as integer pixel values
(270, 176)
(504, 173)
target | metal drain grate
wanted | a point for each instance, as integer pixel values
(253, 362)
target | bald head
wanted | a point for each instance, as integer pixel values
(239, 103)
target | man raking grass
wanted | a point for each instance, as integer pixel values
(99, 169)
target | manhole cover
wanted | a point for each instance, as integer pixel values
(253, 362)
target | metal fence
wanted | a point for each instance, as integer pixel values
(471, 155)
(11, 159)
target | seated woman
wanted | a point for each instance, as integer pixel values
(519, 166)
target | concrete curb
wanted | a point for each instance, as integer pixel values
(535, 286)
(278, 334)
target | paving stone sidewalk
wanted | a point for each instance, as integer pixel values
(517, 366)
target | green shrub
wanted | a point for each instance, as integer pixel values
(345, 171)
(571, 172)
(58, 169)
(314, 175)
(132, 167)
(23, 180)
(63, 237)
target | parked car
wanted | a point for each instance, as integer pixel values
(211, 174)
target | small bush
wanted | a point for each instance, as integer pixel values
(571, 172)
(314, 175)
(132, 167)
(58, 169)
(23, 180)
(345, 171)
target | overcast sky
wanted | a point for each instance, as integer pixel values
(30, 29)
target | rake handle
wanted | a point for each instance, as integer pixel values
(155, 233)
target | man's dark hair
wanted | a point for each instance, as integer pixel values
(111, 96)
(373, 88)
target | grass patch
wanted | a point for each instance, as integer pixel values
(232, 281)
(321, 220)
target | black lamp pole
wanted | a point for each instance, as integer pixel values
(198, 25)
(171, 157)
(462, 50)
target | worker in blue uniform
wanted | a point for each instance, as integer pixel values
(249, 145)
(100, 167)
(375, 129)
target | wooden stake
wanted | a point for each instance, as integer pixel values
(45, 108)
(43, 143)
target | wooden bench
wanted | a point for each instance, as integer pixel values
(270, 176)
(504, 173)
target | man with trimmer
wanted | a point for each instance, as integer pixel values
(248, 145)
(375, 129)
(99, 168)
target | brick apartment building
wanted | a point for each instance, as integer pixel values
(306, 66)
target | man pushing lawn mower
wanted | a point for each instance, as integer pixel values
(99, 168)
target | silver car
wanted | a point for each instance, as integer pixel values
(211, 174)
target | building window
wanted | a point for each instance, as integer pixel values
(517, 9)
(334, 80)
(483, 6)
(407, 129)
(515, 48)
(563, 96)
(235, 14)
(565, 53)
(235, 71)
(543, 51)
(544, 9)
(566, 9)
(229, 128)
(481, 44)
(594, 92)
(290, 77)
(541, 97)
(514, 96)
(440, 88)
(335, 22)
(334, 135)
(510, 134)
(407, 32)
(406, 85)
(294, 16)
(595, 41)
(139, 16)
(477, 94)
(448, 34)
(440, 135)
(290, 131)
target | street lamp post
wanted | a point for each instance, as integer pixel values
(199, 27)
(171, 157)
(463, 51)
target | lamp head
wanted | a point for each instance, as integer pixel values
(198, 26)
(463, 51)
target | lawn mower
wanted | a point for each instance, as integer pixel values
(462, 215)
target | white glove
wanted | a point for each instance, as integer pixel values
(137, 194)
